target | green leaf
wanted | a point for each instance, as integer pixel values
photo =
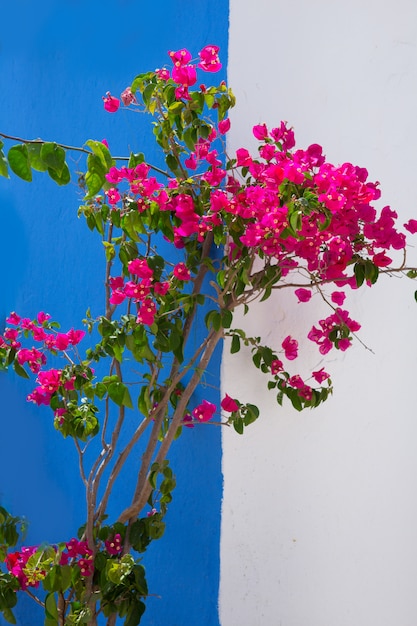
(238, 425)
(176, 107)
(371, 271)
(213, 318)
(171, 162)
(359, 270)
(53, 156)
(51, 610)
(34, 151)
(295, 221)
(8, 616)
(20, 371)
(127, 400)
(102, 152)
(235, 347)
(226, 318)
(135, 612)
(95, 176)
(190, 137)
(19, 162)
(61, 178)
(117, 392)
(4, 170)
(135, 159)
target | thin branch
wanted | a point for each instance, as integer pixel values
(78, 149)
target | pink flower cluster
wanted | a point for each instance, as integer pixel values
(75, 552)
(49, 340)
(183, 73)
(335, 330)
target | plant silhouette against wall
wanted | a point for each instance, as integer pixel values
(233, 229)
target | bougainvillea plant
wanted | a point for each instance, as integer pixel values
(233, 228)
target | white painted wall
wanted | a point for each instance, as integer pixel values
(319, 523)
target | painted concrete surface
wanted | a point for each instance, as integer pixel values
(320, 508)
(56, 62)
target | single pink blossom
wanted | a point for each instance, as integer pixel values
(114, 544)
(276, 367)
(61, 341)
(290, 347)
(162, 74)
(140, 268)
(338, 297)
(229, 405)
(184, 75)
(303, 295)
(86, 566)
(128, 97)
(224, 126)
(180, 57)
(43, 317)
(75, 336)
(204, 411)
(320, 375)
(146, 313)
(182, 272)
(210, 61)
(411, 226)
(381, 259)
(161, 288)
(111, 104)
(13, 318)
(260, 131)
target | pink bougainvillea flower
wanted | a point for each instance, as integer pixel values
(338, 297)
(61, 341)
(113, 196)
(411, 226)
(303, 295)
(75, 336)
(43, 317)
(260, 131)
(111, 104)
(182, 272)
(138, 291)
(127, 97)
(243, 157)
(13, 318)
(224, 126)
(204, 411)
(86, 566)
(180, 57)
(146, 313)
(114, 544)
(187, 420)
(39, 334)
(184, 75)
(290, 347)
(181, 93)
(320, 375)
(276, 367)
(381, 259)
(162, 74)
(140, 268)
(210, 61)
(161, 288)
(229, 405)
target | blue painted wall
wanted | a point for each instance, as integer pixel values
(56, 61)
